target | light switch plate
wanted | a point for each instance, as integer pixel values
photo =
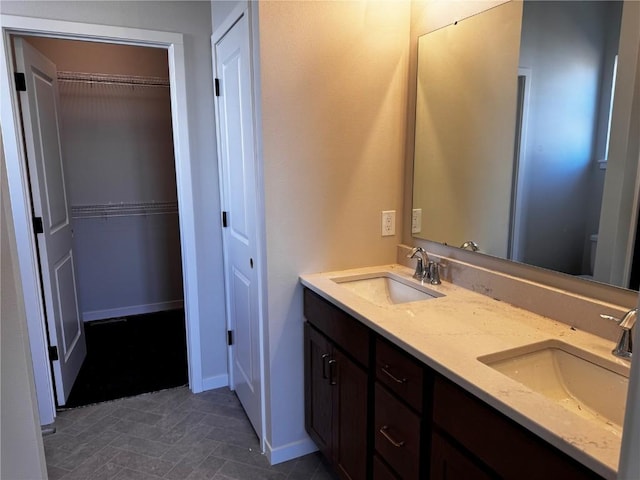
(416, 220)
(388, 223)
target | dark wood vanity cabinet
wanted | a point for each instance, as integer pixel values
(337, 386)
(376, 412)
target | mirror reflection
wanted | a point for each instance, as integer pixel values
(513, 123)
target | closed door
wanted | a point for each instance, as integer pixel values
(40, 118)
(234, 111)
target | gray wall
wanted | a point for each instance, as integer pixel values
(568, 48)
(193, 20)
(21, 450)
(118, 151)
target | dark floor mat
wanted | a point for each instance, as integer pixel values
(132, 355)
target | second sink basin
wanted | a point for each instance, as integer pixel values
(589, 386)
(386, 288)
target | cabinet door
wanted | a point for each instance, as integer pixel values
(318, 390)
(448, 463)
(350, 417)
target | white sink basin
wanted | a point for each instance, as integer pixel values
(586, 384)
(386, 288)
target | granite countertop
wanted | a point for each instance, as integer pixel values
(449, 333)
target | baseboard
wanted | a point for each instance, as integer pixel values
(289, 451)
(211, 383)
(131, 310)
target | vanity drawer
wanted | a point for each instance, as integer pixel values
(400, 373)
(344, 330)
(397, 434)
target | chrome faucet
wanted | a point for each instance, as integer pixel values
(425, 268)
(624, 347)
(420, 255)
(471, 245)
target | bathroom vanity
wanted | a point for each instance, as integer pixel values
(404, 380)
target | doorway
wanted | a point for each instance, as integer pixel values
(117, 182)
(19, 193)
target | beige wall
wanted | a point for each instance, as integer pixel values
(21, 450)
(333, 80)
(107, 58)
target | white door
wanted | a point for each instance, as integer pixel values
(237, 167)
(39, 107)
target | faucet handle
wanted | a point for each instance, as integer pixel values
(627, 321)
(433, 273)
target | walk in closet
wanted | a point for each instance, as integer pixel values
(120, 175)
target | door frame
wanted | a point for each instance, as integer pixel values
(13, 139)
(520, 167)
(249, 10)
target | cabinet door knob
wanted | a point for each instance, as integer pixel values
(392, 441)
(386, 371)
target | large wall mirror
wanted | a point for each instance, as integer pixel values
(516, 145)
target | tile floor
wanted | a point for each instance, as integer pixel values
(172, 434)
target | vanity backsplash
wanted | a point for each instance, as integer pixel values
(578, 311)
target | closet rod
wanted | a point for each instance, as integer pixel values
(123, 209)
(127, 80)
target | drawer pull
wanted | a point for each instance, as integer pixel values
(332, 380)
(392, 376)
(392, 441)
(324, 365)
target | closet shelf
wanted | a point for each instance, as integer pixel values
(112, 79)
(123, 209)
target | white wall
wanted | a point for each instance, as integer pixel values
(193, 20)
(21, 449)
(618, 218)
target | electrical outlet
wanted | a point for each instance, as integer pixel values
(416, 220)
(388, 223)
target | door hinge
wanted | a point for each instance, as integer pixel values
(37, 225)
(217, 85)
(53, 353)
(229, 337)
(21, 82)
(225, 220)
